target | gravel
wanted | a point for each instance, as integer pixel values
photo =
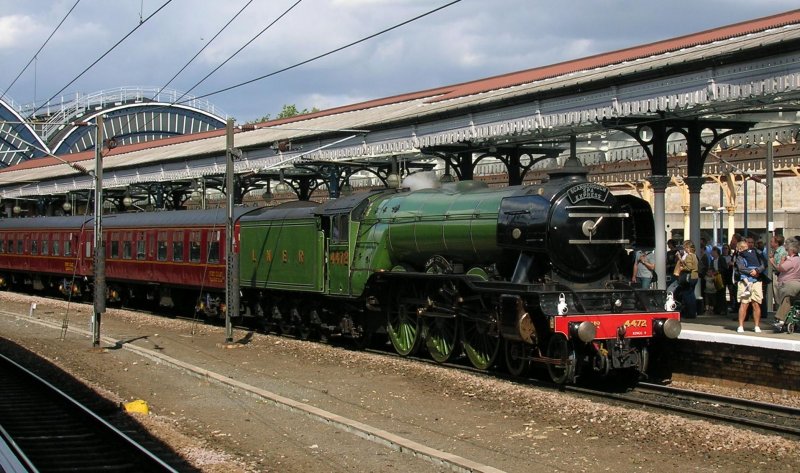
(487, 419)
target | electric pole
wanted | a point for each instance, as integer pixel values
(231, 261)
(99, 246)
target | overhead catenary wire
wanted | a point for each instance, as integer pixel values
(208, 43)
(286, 12)
(333, 51)
(102, 56)
(132, 116)
(341, 48)
(36, 54)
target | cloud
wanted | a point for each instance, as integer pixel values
(15, 30)
(467, 41)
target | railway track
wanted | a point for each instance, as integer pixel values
(764, 417)
(49, 431)
(761, 416)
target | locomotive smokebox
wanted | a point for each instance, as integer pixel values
(579, 225)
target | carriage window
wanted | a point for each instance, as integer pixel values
(213, 246)
(177, 246)
(194, 246)
(34, 247)
(114, 245)
(126, 249)
(3, 245)
(20, 247)
(45, 246)
(162, 246)
(88, 249)
(140, 247)
(68, 245)
(56, 245)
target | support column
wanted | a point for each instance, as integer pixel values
(465, 166)
(686, 222)
(731, 209)
(659, 184)
(514, 174)
(695, 184)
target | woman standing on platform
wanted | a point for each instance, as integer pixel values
(686, 267)
(715, 287)
(788, 284)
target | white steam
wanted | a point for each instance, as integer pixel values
(421, 180)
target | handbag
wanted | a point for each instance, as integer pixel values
(718, 283)
(683, 278)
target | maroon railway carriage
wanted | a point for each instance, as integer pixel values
(168, 258)
(42, 253)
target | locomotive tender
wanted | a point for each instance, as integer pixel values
(526, 273)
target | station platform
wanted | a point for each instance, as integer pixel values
(722, 329)
(709, 347)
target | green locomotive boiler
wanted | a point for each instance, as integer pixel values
(525, 274)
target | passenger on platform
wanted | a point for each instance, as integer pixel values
(753, 244)
(747, 262)
(703, 261)
(727, 276)
(777, 252)
(670, 269)
(686, 271)
(748, 268)
(732, 282)
(643, 266)
(760, 247)
(714, 294)
(788, 282)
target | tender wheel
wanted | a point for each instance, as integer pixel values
(561, 349)
(403, 328)
(517, 360)
(442, 338)
(479, 345)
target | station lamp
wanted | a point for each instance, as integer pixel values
(282, 186)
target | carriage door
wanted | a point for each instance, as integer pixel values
(339, 254)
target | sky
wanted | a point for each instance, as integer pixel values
(469, 40)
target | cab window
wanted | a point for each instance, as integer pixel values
(340, 226)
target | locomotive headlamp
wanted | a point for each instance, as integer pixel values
(584, 331)
(127, 201)
(67, 207)
(669, 328)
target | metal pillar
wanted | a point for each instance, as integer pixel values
(660, 184)
(770, 221)
(99, 247)
(695, 183)
(231, 261)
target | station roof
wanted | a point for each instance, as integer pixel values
(404, 122)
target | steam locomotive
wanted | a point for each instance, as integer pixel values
(522, 275)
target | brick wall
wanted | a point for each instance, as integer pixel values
(738, 364)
